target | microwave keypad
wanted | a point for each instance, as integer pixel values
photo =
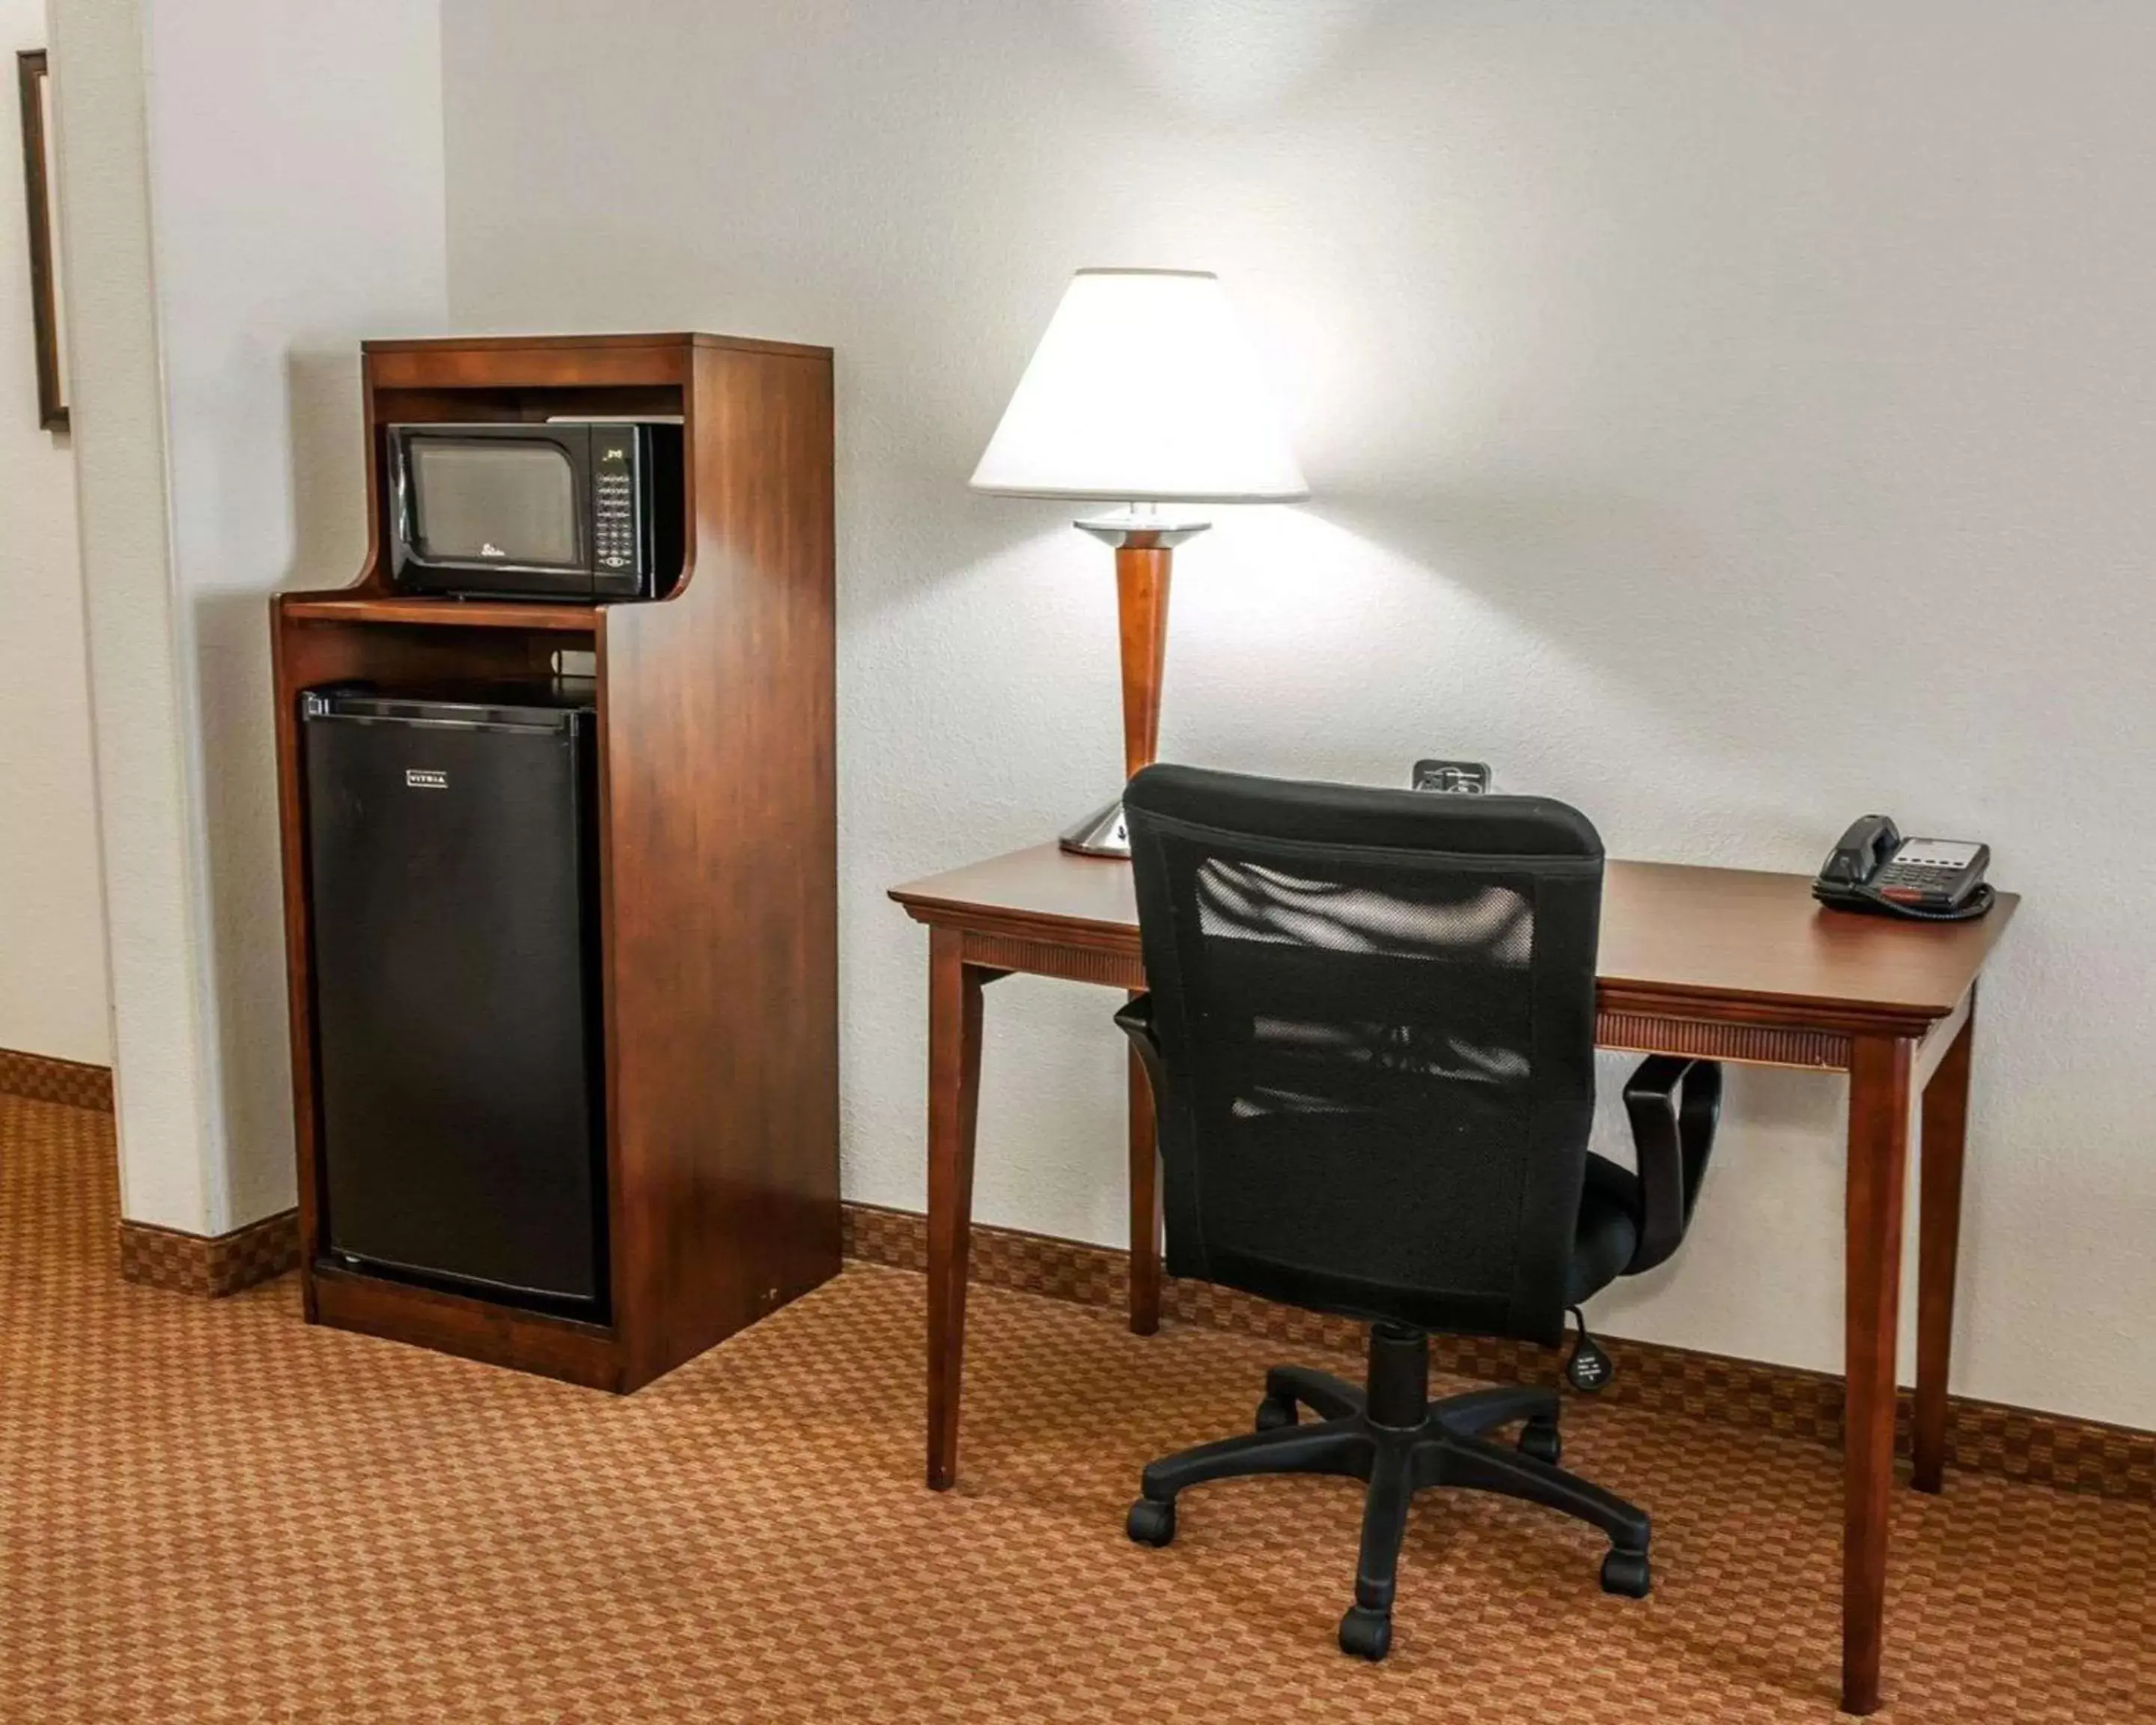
(614, 521)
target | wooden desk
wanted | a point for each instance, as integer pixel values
(1725, 964)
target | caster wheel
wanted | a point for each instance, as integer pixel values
(1274, 1412)
(1626, 1573)
(1150, 1523)
(1366, 1634)
(1541, 1439)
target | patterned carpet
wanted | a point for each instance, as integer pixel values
(210, 1512)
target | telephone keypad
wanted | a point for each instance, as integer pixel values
(1914, 878)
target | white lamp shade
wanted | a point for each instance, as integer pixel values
(1144, 388)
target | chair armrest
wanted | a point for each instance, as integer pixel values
(1674, 1104)
(1135, 1020)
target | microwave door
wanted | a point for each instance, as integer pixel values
(494, 510)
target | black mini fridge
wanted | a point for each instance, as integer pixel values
(452, 861)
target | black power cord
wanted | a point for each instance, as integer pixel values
(1589, 1370)
(1980, 900)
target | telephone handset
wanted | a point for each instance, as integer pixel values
(1874, 869)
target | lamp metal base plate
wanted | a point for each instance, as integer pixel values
(1102, 833)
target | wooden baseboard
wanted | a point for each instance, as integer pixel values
(42, 1078)
(209, 1266)
(160, 1257)
(1986, 1437)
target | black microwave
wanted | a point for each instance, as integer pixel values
(557, 509)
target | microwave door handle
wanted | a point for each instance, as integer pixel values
(406, 526)
(586, 469)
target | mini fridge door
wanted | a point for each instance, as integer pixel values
(456, 1006)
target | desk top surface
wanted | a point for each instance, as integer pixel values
(1673, 928)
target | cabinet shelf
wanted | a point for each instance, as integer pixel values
(447, 614)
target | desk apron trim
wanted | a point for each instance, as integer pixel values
(1755, 1044)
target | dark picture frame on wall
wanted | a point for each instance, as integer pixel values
(31, 85)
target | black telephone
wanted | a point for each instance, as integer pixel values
(1874, 869)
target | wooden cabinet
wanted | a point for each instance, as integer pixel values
(718, 877)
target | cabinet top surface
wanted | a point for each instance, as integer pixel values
(673, 338)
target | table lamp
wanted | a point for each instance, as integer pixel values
(1143, 391)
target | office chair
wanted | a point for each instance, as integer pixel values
(1370, 1034)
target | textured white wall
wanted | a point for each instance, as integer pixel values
(261, 186)
(52, 920)
(117, 422)
(1730, 417)
(297, 189)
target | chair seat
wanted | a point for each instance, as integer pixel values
(1609, 1231)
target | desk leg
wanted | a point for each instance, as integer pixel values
(1145, 1205)
(954, 1089)
(1879, 1096)
(1939, 1226)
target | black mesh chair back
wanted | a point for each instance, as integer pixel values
(1374, 1013)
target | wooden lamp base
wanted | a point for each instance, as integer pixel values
(1144, 547)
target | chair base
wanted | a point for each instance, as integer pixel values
(1391, 1435)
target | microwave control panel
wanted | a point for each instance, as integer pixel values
(615, 511)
